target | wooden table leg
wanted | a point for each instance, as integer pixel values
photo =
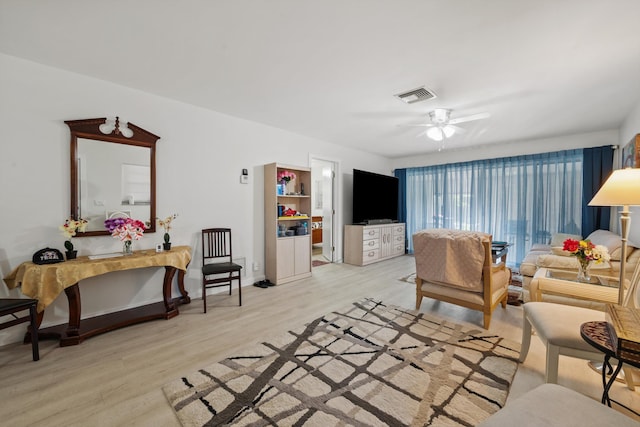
(33, 328)
(75, 308)
(169, 304)
(184, 295)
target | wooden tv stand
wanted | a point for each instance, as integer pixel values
(366, 244)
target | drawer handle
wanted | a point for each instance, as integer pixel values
(371, 243)
(370, 254)
(372, 232)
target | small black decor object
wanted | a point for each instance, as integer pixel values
(70, 253)
(302, 189)
(47, 256)
(166, 246)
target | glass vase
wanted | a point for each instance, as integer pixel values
(127, 249)
(583, 270)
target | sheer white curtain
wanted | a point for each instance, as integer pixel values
(521, 200)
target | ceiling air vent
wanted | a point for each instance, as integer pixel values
(416, 95)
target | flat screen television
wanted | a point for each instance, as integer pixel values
(375, 198)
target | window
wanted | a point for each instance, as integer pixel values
(521, 200)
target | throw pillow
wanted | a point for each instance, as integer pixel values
(558, 238)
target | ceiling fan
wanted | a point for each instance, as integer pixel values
(442, 126)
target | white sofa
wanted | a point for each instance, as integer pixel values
(552, 256)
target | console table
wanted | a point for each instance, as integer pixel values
(46, 282)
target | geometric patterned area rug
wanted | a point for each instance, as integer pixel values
(371, 364)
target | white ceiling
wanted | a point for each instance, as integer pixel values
(329, 69)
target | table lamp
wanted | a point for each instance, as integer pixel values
(622, 188)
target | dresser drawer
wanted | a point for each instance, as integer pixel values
(370, 244)
(398, 229)
(370, 256)
(398, 249)
(371, 233)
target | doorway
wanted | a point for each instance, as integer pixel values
(323, 173)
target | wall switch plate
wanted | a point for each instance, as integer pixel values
(244, 179)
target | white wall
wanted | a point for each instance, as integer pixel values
(516, 148)
(200, 157)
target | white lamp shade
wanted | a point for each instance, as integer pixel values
(621, 189)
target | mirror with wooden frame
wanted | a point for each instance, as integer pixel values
(113, 173)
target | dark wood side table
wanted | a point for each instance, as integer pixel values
(10, 306)
(598, 335)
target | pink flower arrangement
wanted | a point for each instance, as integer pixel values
(125, 229)
(286, 176)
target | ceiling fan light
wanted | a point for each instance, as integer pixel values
(435, 133)
(440, 115)
(448, 131)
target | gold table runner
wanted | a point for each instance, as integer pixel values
(45, 282)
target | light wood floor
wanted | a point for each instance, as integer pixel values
(115, 379)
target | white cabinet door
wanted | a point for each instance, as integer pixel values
(285, 257)
(386, 241)
(302, 255)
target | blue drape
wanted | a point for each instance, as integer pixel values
(598, 165)
(401, 174)
(522, 200)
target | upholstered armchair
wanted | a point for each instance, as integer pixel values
(456, 266)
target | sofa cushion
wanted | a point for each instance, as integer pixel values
(557, 239)
(616, 255)
(560, 262)
(540, 247)
(554, 405)
(557, 250)
(528, 265)
(559, 324)
(607, 239)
